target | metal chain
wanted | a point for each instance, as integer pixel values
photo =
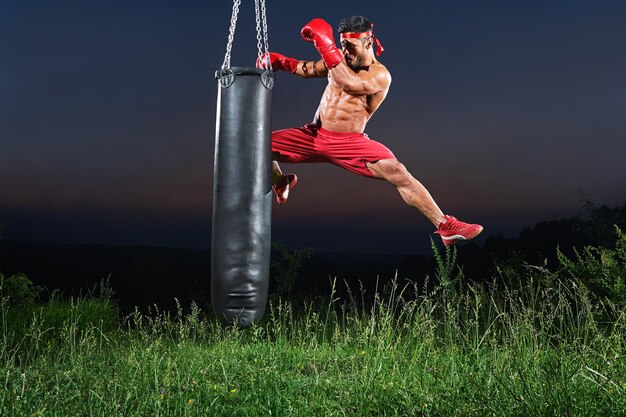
(261, 31)
(257, 13)
(263, 15)
(231, 33)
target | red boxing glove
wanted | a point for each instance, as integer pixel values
(279, 62)
(320, 33)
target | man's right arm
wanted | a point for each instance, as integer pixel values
(304, 69)
(312, 69)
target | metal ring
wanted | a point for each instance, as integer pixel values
(226, 77)
(267, 79)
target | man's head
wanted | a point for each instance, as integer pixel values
(355, 24)
(356, 40)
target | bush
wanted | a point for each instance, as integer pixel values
(286, 266)
(601, 270)
(18, 290)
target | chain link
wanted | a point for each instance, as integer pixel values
(265, 37)
(257, 13)
(262, 17)
(231, 33)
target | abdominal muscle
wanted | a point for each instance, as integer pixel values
(342, 112)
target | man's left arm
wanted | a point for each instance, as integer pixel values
(370, 82)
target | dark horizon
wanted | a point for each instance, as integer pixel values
(175, 230)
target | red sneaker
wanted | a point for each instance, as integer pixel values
(454, 230)
(282, 187)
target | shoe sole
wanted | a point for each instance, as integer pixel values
(451, 240)
(282, 199)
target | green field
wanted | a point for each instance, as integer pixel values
(530, 342)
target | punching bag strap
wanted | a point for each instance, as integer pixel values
(261, 36)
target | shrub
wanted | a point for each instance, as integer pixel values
(286, 266)
(601, 270)
(18, 290)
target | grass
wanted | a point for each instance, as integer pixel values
(530, 343)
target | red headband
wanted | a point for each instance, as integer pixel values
(379, 47)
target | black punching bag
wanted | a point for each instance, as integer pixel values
(242, 195)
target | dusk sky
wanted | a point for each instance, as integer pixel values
(507, 111)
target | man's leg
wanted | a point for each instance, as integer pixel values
(415, 194)
(282, 183)
(292, 145)
(411, 190)
(277, 173)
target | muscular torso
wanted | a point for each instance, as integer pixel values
(347, 109)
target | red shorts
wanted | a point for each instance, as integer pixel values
(351, 151)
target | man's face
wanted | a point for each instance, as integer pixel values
(354, 51)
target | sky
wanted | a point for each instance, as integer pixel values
(509, 112)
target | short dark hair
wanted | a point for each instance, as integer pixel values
(357, 24)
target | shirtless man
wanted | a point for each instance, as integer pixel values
(357, 85)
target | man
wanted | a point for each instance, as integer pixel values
(357, 85)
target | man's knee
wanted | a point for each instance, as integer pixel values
(391, 170)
